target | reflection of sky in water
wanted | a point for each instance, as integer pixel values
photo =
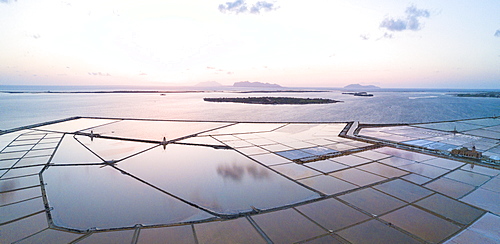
(70, 151)
(236, 173)
(185, 184)
(94, 196)
(113, 149)
(191, 184)
(154, 130)
(7, 186)
(217, 180)
(221, 180)
(294, 154)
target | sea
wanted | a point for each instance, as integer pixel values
(27, 105)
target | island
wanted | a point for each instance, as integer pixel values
(360, 94)
(361, 87)
(481, 94)
(255, 84)
(272, 100)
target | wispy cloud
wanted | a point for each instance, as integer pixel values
(411, 21)
(262, 6)
(385, 36)
(99, 74)
(240, 6)
(497, 33)
(7, 1)
(218, 71)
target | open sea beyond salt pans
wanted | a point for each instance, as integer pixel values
(384, 107)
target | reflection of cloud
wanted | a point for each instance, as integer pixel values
(7, 185)
(233, 172)
(256, 173)
(497, 33)
(240, 6)
(208, 201)
(236, 172)
(409, 22)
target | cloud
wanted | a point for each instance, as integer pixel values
(365, 37)
(36, 36)
(218, 71)
(7, 1)
(393, 25)
(99, 73)
(411, 21)
(497, 33)
(240, 6)
(262, 5)
(413, 15)
(385, 36)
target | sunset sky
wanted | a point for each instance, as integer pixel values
(318, 43)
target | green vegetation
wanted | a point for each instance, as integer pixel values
(271, 100)
(482, 94)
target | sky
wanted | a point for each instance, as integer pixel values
(294, 43)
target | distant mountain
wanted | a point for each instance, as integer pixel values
(255, 84)
(360, 87)
(209, 84)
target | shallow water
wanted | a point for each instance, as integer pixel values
(384, 107)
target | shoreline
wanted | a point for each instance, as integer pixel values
(154, 92)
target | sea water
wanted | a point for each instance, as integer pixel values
(20, 109)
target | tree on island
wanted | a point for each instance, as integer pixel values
(271, 100)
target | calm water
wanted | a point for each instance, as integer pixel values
(385, 107)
